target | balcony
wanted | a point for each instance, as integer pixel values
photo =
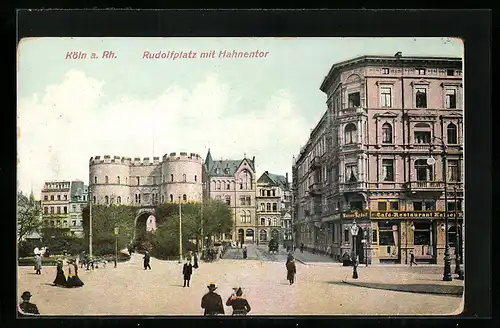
(352, 186)
(419, 186)
(315, 163)
(316, 188)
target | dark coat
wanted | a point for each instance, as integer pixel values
(195, 261)
(187, 271)
(212, 303)
(146, 258)
(27, 307)
(291, 270)
(60, 277)
(239, 304)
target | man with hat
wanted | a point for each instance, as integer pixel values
(212, 302)
(25, 306)
(187, 271)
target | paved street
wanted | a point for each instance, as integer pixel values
(319, 289)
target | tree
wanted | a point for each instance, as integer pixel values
(29, 213)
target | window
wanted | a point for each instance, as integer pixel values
(268, 193)
(65, 223)
(51, 197)
(242, 217)
(453, 173)
(74, 223)
(387, 169)
(424, 171)
(95, 179)
(65, 197)
(350, 133)
(421, 98)
(455, 207)
(430, 205)
(52, 210)
(275, 207)
(385, 70)
(351, 172)
(106, 179)
(138, 198)
(417, 206)
(356, 205)
(268, 207)
(65, 210)
(275, 222)
(386, 233)
(228, 186)
(274, 192)
(58, 197)
(386, 133)
(45, 197)
(242, 200)
(346, 236)
(106, 199)
(382, 206)
(58, 210)
(394, 205)
(451, 99)
(195, 178)
(228, 200)
(452, 133)
(422, 233)
(354, 99)
(385, 97)
(450, 72)
(118, 200)
(94, 200)
(218, 185)
(249, 200)
(45, 210)
(184, 178)
(422, 137)
(171, 177)
(262, 207)
(118, 180)
(138, 180)
(268, 222)
(262, 222)
(171, 198)
(126, 180)
(420, 71)
(184, 197)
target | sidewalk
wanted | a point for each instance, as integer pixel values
(310, 258)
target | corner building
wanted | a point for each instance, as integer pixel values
(121, 180)
(366, 160)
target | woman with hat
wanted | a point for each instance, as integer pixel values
(25, 306)
(238, 303)
(60, 277)
(212, 302)
(73, 279)
(38, 263)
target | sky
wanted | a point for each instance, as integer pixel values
(70, 110)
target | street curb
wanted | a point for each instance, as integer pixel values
(395, 289)
(301, 261)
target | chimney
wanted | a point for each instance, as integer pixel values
(286, 175)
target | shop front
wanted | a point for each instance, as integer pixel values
(362, 240)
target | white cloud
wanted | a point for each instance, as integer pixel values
(61, 129)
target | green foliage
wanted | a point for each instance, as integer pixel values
(60, 241)
(104, 220)
(29, 213)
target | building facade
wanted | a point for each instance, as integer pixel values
(121, 180)
(78, 201)
(233, 182)
(386, 116)
(55, 203)
(273, 208)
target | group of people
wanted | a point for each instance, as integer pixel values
(73, 280)
(211, 302)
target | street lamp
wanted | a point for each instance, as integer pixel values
(90, 222)
(116, 244)
(365, 235)
(447, 260)
(180, 230)
(458, 243)
(354, 233)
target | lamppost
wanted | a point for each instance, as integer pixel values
(458, 243)
(116, 244)
(90, 222)
(354, 233)
(431, 161)
(365, 235)
(180, 230)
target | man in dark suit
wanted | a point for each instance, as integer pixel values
(26, 308)
(187, 271)
(212, 302)
(146, 259)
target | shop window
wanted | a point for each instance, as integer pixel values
(386, 233)
(422, 233)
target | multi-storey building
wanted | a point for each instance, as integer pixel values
(78, 201)
(386, 116)
(273, 202)
(120, 180)
(233, 181)
(55, 203)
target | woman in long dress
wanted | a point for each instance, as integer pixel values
(73, 279)
(291, 270)
(60, 277)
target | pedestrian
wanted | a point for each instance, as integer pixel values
(25, 307)
(245, 252)
(212, 302)
(73, 279)
(146, 259)
(291, 270)
(38, 263)
(302, 247)
(238, 303)
(187, 271)
(328, 250)
(412, 259)
(289, 257)
(60, 277)
(195, 260)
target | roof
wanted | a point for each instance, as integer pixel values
(77, 188)
(277, 180)
(224, 168)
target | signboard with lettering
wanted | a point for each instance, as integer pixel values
(355, 214)
(414, 214)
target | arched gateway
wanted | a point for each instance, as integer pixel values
(144, 222)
